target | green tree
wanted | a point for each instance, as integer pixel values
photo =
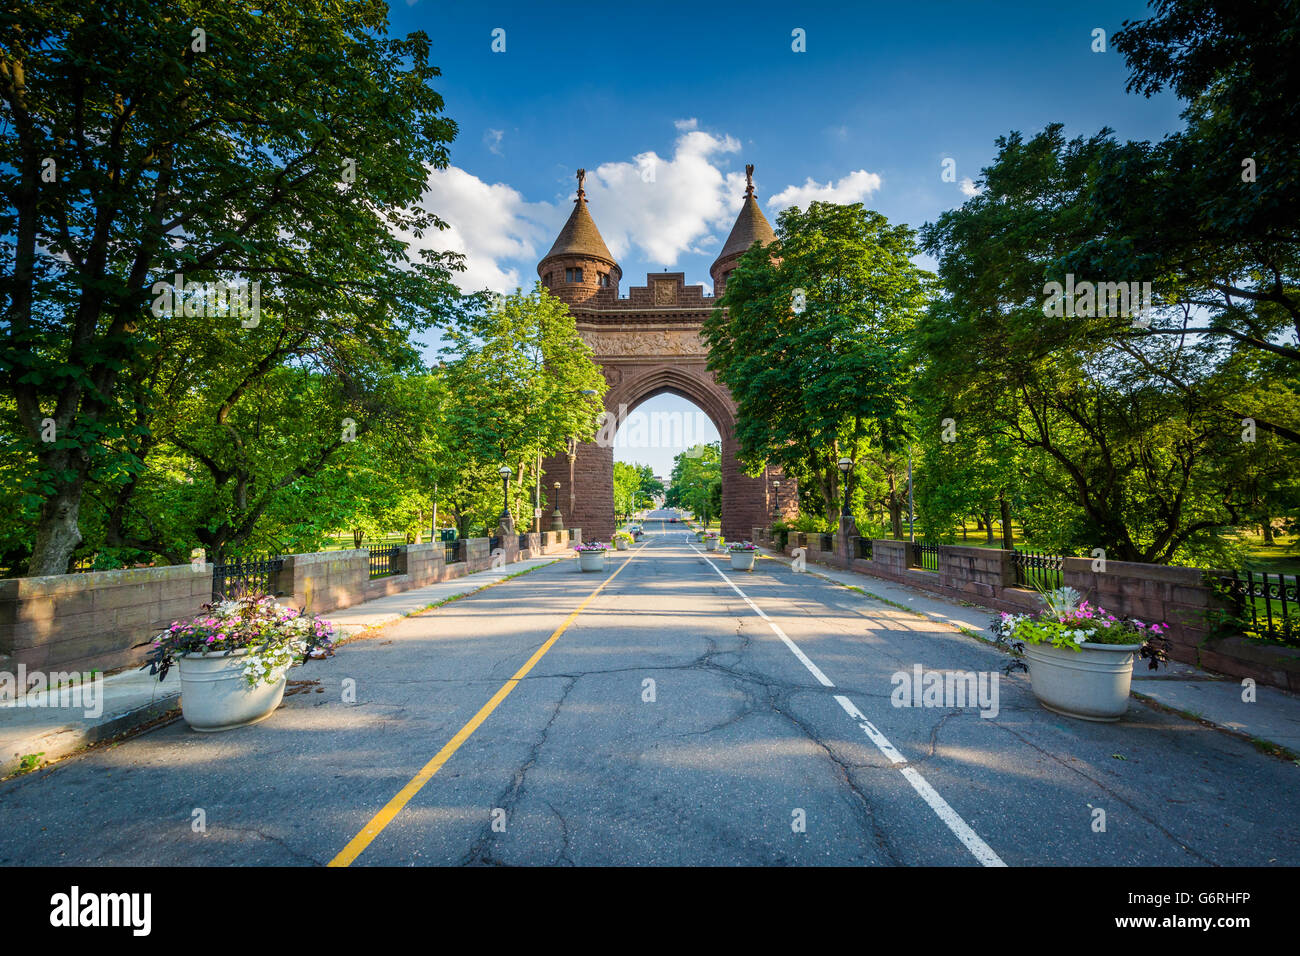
(696, 481)
(811, 338)
(1117, 458)
(145, 138)
(627, 484)
(516, 376)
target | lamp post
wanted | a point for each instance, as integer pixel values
(776, 500)
(846, 518)
(505, 473)
(557, 519)
(911, 512)
(845, 465)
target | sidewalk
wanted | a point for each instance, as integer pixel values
(1273, 718)
(132, 699)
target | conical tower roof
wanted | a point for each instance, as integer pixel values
(580, 237)
(751, 225)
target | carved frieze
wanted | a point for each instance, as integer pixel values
(644, 342)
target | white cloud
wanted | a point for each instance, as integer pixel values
(661, 207)
(667, 206)
(500, 235)
(968, 187)
(492, 140)
(854, 187)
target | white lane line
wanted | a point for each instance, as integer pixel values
(978, 848)
(942, 809)
(816, 671)
(880, 740)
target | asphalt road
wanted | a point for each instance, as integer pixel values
(687, 714)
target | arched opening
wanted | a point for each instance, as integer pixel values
(586, 477)
(658, 432)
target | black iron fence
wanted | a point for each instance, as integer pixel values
(381, 560)
(572, 532)
(864, 548)
(1267, 604)
(494, 542)
(453, 551)
(245, 577)
(925, 556)
(523, 542)
(1037, 569)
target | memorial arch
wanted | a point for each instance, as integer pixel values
(648, 343)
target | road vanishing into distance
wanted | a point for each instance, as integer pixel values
(669, 711)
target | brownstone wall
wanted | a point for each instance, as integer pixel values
(591, 506)
(91, 621)
(324, 581)
(1148, 592)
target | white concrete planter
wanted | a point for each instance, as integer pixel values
(591, 560)
(620, 545)
(713, 544)
(743, 560)
(1091, 684)
(215, 695)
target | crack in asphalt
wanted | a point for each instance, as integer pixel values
(1145, 817)
(863, 806)
(510, 796)
(276, 840)
(564, 835)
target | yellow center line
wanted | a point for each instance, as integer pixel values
(394, 806)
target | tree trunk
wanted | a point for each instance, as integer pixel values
(988, 528)
(57, 534)
(1008, 539)
(1266, 526)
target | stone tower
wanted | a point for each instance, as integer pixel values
(648, 343)
(751, 227)
(579, 268)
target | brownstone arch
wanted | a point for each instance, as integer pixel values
(647, 343)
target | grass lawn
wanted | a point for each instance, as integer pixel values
(1279, 557)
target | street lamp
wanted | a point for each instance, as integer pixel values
(845, 465)
(846, 518)
(911, 510)
(505, 473)
(557, 519)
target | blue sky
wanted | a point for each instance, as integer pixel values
(685, 95)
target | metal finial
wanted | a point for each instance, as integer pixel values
(749, 179)
(582, 194)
